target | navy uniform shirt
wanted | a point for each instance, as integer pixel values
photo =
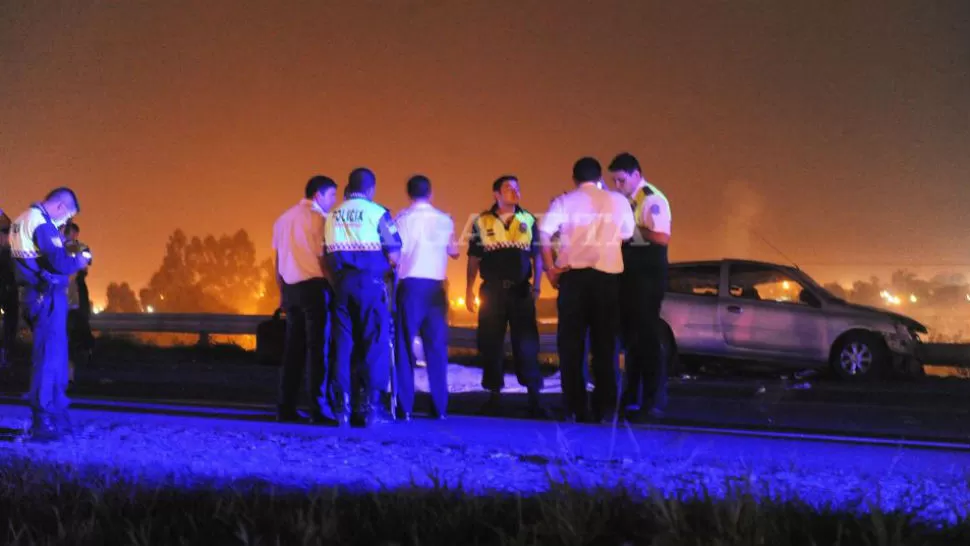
(506, 250)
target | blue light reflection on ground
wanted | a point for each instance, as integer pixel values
(488, 455)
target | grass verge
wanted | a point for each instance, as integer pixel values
(60, 504)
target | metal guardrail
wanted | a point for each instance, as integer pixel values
(204, 324)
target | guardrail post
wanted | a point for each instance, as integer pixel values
(203, 339)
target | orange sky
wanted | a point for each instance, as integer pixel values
(840, 134)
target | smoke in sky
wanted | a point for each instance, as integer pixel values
(743, 213)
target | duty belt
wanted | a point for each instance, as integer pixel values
(506, 285)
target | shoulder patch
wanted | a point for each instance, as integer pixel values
(655, 209)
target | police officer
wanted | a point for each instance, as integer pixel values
(43, 267)
(362, 246)
(642, 285)
(504, 247)
(81, 340)
(592, 223)
(428, 235)
(306, 295)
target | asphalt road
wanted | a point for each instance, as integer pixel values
(931, 409)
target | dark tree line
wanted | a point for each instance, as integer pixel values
(203, 275)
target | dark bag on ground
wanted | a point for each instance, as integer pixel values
(270, 339)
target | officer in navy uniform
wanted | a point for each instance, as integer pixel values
(43, 268)
(504, 247)
(362, 247)
(642, 285)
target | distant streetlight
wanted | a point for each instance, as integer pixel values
(150, 309)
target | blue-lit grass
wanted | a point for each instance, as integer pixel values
(65, 505)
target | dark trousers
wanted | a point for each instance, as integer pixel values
(587, 305)
(46, 313)
(646, 363)
(10, 304)
(422, 311)
(361, 328)
(508, 305)
(307, 307)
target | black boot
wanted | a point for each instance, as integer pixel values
(376, 414)
(323, 416)
(341, 409)
(44, 428)
(493, 407)
(536, 409)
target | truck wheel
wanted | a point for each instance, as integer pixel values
(859, 357)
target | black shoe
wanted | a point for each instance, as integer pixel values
(493, 407)
(374, 413)
(319, 418)
(403, 417)
(438, 415)
(44, 429)
(538, 411)
(376, 416)
(341, 409)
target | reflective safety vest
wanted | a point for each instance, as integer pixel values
(22, 245)
(495, 236)
(639, 256)
(353, 238)
(32, 266)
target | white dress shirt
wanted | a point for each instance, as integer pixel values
(426, 233)
(298, 242)
(592, 224)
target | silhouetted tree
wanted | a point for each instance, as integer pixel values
(122, 299)
(866, 293)
(208, 275)
(268, 298)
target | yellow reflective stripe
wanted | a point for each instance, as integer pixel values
(640, 199)
(353, 247)
(505, 244)
(495, 236)
(25, 254)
